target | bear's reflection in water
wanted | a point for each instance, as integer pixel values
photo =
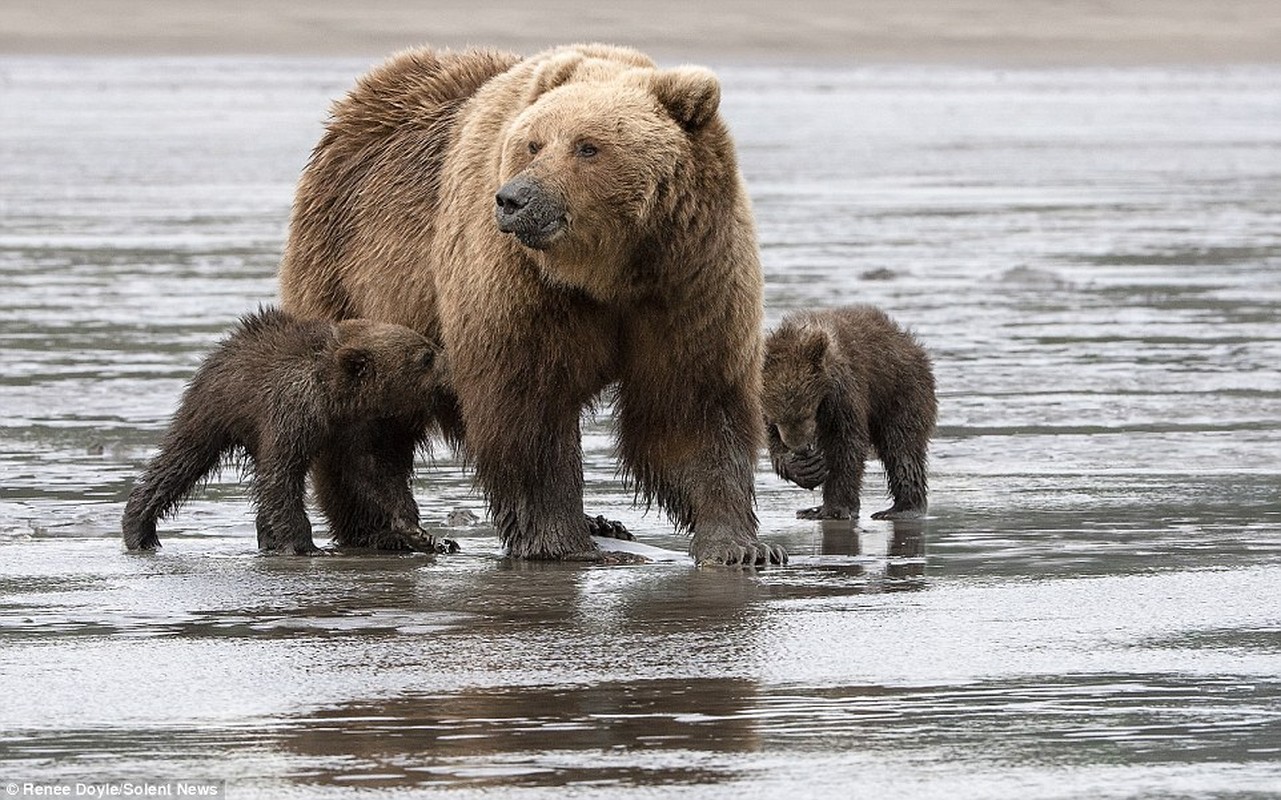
(591, 675)
(535, 735)
(904, 551)
(565, 684)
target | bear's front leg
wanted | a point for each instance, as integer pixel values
(363, 483)
(529, 462)
(279, 490)
(697, 459)
(538, 511)
(522, 381)
(845, 448)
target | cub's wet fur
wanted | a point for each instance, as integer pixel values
(293, 395)
(842, 385)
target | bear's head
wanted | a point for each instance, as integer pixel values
(385, 370)
(796, 379)
(588, 168)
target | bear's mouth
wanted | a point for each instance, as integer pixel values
(542, 236)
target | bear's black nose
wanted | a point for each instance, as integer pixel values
(526, 208)
(514, 196)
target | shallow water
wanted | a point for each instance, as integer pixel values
(1093, 258)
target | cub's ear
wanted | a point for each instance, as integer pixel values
(356, 364)
(814, 346)
(690, 94)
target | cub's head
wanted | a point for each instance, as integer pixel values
(384, 370)
(795, 381)
(594, 153)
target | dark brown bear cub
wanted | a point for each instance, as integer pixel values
(842, 385)
(292, 395)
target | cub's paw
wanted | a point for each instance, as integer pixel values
(140, 536)
(900, 512)
(295, 549)
(609, 528)
(824, 512)
(808, 471)
(418, 541)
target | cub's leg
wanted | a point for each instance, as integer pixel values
(363, 484)
(906, 475)
(279, 491)
(186, 456)
(845, 445)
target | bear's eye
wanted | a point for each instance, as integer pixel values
(534, 147)
(428, 359)
(586, 150)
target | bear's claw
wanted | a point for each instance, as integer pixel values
(423, 542)
(746, 554)
(609, 528)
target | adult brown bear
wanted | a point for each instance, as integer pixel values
(561, 223)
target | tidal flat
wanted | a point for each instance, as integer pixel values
(1091, 256)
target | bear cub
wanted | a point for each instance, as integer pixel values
(291, 395)
(842, 385)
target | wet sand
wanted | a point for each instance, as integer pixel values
(991, 32)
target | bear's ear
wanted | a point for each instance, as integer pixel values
(690, 94)
(552, 73)
(355, 363)
(814, 347)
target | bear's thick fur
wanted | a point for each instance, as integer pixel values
(843, 385)
(560, 223)
(291, 394)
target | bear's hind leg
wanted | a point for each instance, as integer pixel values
(183, 461)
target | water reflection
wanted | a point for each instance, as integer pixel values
(907, 551)
(840, 538)
(544, 736)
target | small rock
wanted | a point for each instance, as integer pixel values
(461, 518)
(879, 274)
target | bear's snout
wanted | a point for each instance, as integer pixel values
(530, 211)
(799, 438)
